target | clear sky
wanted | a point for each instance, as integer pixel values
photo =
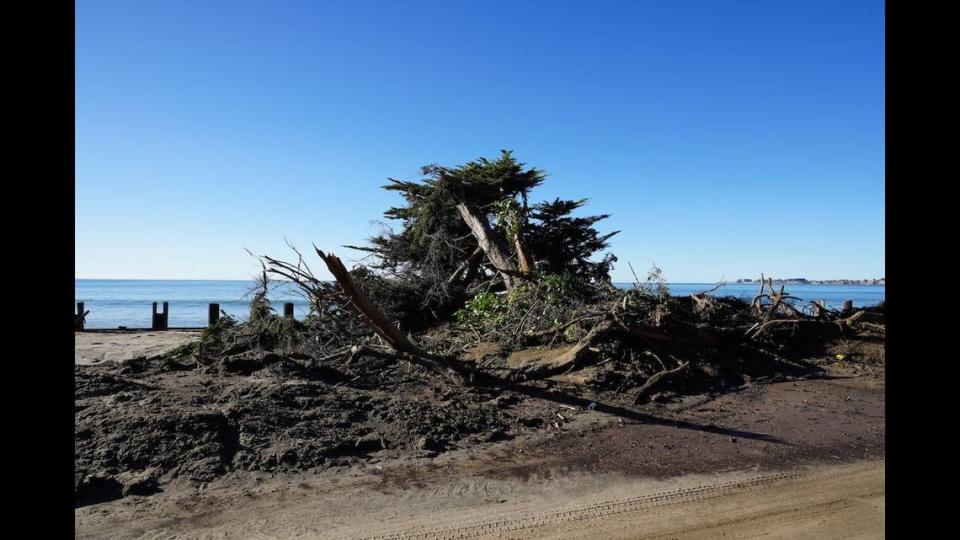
(725, 138)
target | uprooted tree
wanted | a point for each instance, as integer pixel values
(472, 261)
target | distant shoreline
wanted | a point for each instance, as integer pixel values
(804, 281)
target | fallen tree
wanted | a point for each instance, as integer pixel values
(386, 330)
(478, 301)
(474, 259)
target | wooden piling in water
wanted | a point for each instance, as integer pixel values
(160, 319)
(288, 310)
(213, 314)
(847, 307)
(80, 319)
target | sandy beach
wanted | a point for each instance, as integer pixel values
(93, 348)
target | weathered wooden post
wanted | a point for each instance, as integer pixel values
(288, 310)
(847, 308)
(160, 319)
(213, 314)
(81, 317)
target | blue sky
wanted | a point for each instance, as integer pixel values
(726, 138)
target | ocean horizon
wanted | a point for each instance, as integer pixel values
(113, 303)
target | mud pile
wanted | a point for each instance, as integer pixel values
(137, 427)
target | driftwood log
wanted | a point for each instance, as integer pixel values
(574, 358)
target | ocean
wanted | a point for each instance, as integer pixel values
(122, 302)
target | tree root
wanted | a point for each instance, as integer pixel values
(656, 378)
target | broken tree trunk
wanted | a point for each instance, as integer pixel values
(363, 307)
(526, 268)
(490, 242)
(375, 318)
(525, 265)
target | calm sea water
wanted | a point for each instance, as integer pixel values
(120, 302)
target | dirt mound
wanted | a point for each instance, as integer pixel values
(161, 424)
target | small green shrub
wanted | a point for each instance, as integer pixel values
(482, 310)
(544, 302)
(559, 289)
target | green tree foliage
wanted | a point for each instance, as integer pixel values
(563, 244)
(432, 241)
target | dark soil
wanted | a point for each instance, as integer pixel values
(199, 425)
(142, 423)
(767, 425)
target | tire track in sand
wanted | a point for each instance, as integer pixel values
(620, 506)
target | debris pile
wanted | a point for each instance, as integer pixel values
(479, 307)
